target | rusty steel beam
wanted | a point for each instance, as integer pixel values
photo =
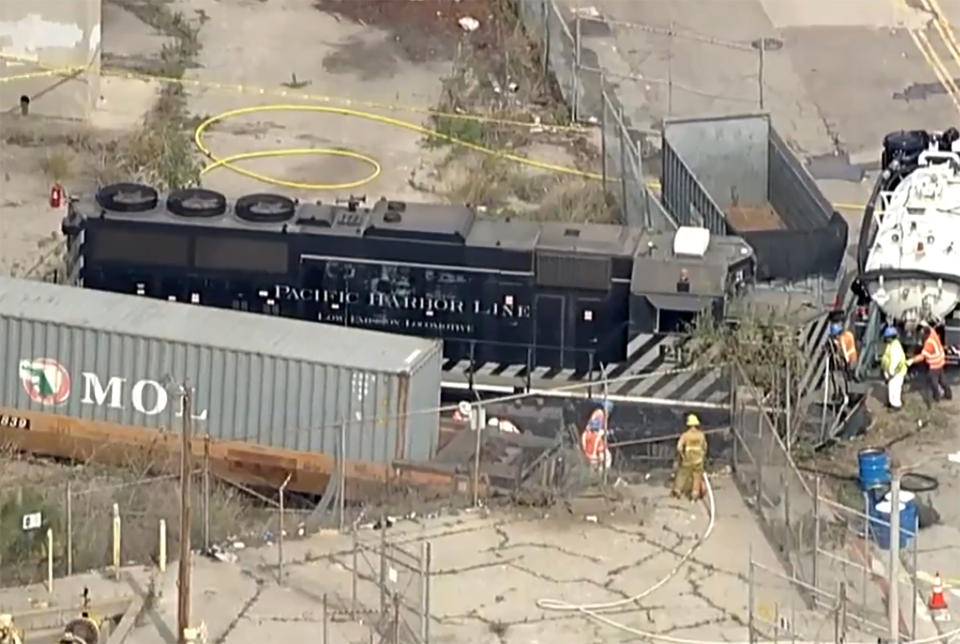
(255, 465)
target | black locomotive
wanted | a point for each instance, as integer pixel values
(496, 290)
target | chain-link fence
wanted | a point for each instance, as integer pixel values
(661, 79)
(583, 89)
(768, 478)
(831, 551)
(399, 573)
(663, 86)
(622, 172)
(97, 520)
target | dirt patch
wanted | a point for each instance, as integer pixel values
(423, 29)
(756, 217)
(370, 60)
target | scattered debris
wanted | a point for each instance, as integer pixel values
(469, 24)
(218, 553)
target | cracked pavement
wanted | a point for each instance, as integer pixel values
(491, 566)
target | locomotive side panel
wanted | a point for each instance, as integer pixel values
(482, 313)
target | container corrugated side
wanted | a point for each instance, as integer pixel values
(272, 401)
(423, 415)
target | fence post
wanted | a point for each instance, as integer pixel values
(816, 531)
(353, 589)
(913, 619)
(603, 136)
(577, 85)
(546, 39)
(670, 71)
(69, 530)
(843, 610)
(776, 622)
(866, 551)
(476, 460)
(325, 640)
(383, 564)
(116, 540)
(283, 489)
(760, 456)
(342, 474)
(623, 175)
(750, 591)
(50, 560)
(162, 555)
(206, 493)
(760, 71)
(786, 497)
(787, 421)
(396, 618)
(425, 556)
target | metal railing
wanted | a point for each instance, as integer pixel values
(564, 42)
(584, 90)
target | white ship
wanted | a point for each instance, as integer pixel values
(912, 268)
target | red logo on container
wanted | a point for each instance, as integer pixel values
(45, 380)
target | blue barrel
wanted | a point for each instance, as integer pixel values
(881, 531)
(874, 465)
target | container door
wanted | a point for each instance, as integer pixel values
(548, 340)
(589, 332)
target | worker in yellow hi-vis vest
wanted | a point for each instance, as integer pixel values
(894, 364)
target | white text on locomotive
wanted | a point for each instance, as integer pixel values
(402, 302)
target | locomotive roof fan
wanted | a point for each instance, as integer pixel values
(265, 208)
(127, 197)
(196, 202)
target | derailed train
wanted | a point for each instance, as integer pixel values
(495, 289)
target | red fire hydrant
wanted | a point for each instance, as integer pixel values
(56, 195)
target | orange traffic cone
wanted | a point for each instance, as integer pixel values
(937, 600)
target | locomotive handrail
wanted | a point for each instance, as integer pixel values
(940, 155)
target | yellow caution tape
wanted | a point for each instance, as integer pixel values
(229, 162)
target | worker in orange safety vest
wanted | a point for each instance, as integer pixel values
(935, 357)
(846, 346)
(593, 440)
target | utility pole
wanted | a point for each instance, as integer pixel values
(183, 586)
(894, 598)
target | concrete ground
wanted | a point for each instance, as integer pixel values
(927, 450)
(836, 77)
(334, 58)
(489, 568)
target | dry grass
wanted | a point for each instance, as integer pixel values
(508, 189)
(142, 497)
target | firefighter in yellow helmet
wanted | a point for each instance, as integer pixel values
(691, 457)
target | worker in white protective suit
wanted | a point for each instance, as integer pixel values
(894, 364)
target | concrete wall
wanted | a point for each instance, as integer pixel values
(728, 155)
(39, 37)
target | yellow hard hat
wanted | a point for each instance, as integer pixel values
(693, 421)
